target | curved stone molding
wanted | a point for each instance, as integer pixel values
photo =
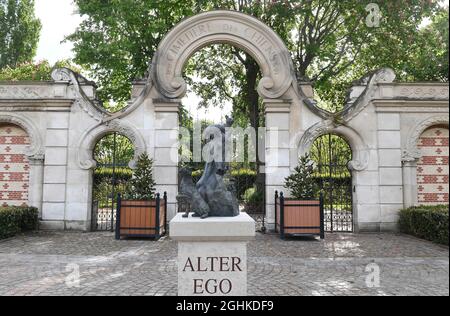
(36, 149)
(92, 136)
(67, 75)
(133, 104)
(229, 27)
(385, 75)
(360, 150)
(411, 152)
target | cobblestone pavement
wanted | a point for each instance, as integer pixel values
(44, 264)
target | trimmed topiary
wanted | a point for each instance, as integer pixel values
(426, 222)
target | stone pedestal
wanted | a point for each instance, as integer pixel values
(212, 254)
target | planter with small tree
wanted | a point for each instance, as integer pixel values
(303, 214)
(141, 213)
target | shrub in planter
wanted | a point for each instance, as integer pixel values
(302, 183)
(140, 212)
(303, 213)
(426, 222)
(142, 185)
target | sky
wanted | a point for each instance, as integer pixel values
(59, 19)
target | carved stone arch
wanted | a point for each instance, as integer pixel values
(411, 152)
(360, 150)
(36, 149)
(91, 137)
(229, 27)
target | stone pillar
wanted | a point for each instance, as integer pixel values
(409, 183)
(212, 254)
(166, 151)
(36, 183)
(390, 170)
(277, 158)
(55, 173)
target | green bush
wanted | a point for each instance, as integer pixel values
(426, 222)
(142, 185)
(196, 175)
(106, 174)
(28, 218)
(244, 179)
(302, 184)
(253, 199)
(30, 71)
(14, 220)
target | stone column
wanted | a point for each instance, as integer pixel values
(212, 254)
(277, 159)
(36, 183)
(55, 173)
(166, 151)
(409, 182)
(390, 169)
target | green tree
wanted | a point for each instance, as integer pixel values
(29, 71)
(114, 147)
(118, 38)
(302, 183)
(142, 185)
(331, 45)
(19, 32)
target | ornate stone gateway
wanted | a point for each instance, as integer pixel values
(382, 121)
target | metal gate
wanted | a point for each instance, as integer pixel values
(111, 176)
(332, 154)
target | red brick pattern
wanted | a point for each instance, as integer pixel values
(14, 166)
(432, 169)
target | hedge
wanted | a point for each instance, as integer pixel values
(105, 174)
(14, 220)
(426, 222)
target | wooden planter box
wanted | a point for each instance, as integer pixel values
(299, 218)
(143, 219)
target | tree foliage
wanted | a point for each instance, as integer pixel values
(119, 37)
(302, 183)
(331, 44)
(30, 71)
(142, 185)
(19, 32)
(114, 148)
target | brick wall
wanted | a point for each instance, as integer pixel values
(14, 166)
(433, 169)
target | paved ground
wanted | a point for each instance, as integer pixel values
(45, 264)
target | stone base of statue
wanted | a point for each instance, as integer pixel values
(212, 254)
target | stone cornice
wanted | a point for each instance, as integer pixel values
(412, 106)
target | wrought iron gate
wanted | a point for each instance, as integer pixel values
(113, 154)
(332, 155)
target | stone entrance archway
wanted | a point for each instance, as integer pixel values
(382, 121)
(265, 47)
(230, 27)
